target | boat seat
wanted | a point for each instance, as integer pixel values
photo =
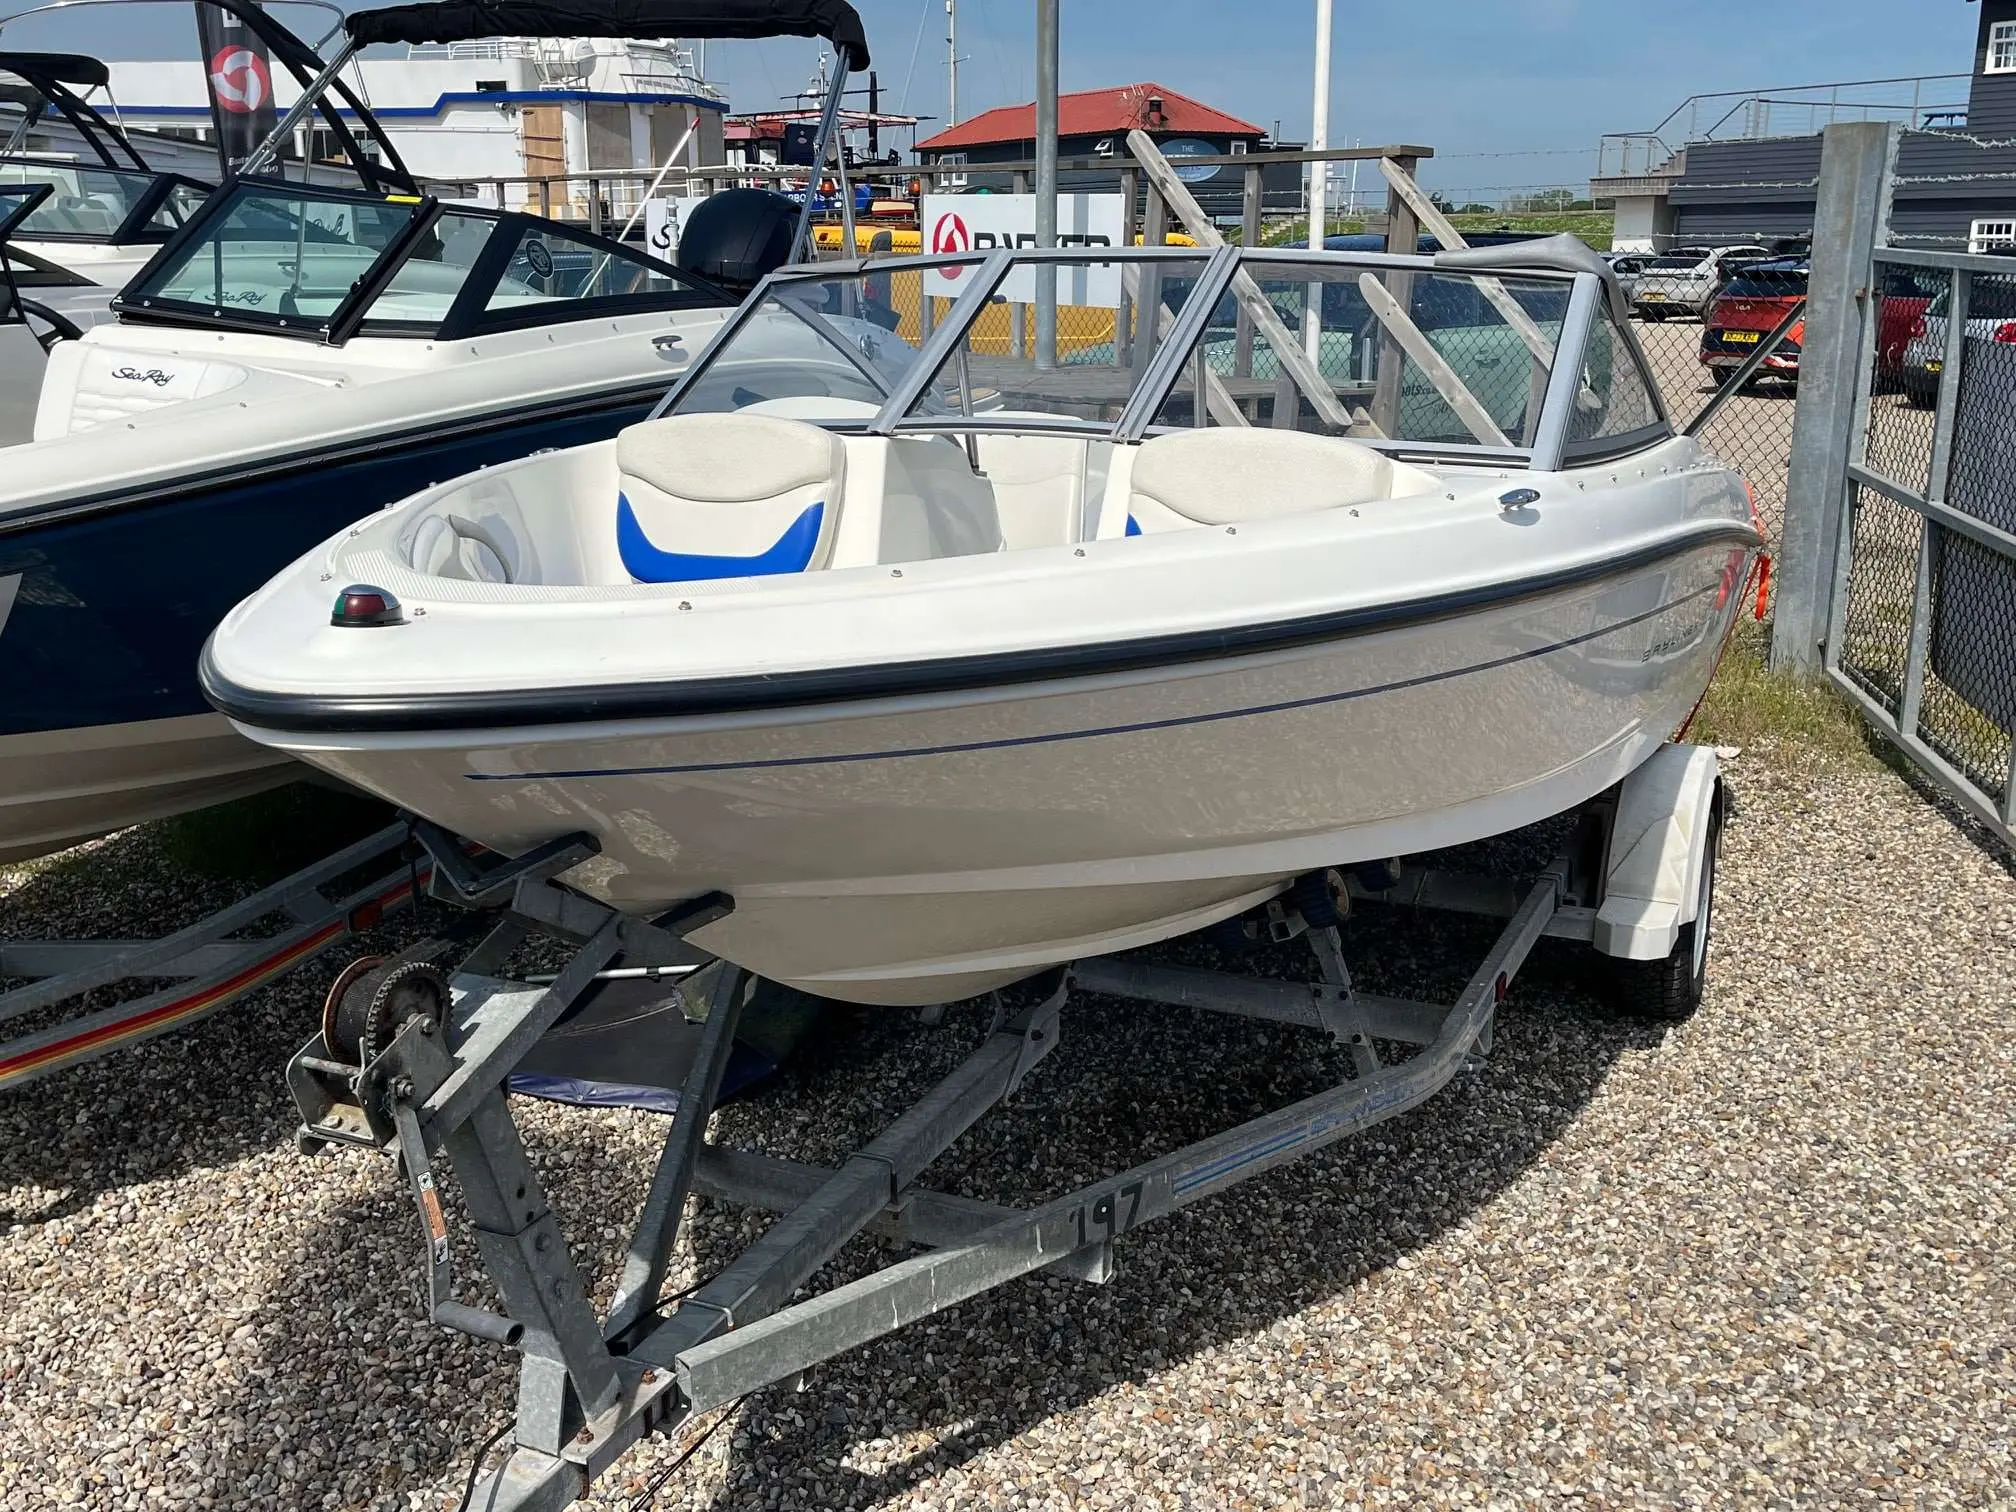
(1038, 485)
(1223, 476)
(722, 496)
(115, 384)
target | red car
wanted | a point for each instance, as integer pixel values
(1746, 310)
(1900, 316)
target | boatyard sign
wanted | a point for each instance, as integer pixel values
(240, 79)
(984, 222)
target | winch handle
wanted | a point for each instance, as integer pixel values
(441, 1307)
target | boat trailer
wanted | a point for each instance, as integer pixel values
(415, 1061)
(206, 966)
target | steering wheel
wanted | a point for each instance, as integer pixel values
(60, 327)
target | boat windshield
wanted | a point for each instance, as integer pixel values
(1393, 351)
(298, 260)
(103, 205)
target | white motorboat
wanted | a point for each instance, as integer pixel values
(294, 358)
(105, 216)
(948, 662)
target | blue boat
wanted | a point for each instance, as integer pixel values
(293, 357)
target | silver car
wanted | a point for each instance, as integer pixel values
(1628, 266)
(1991, 317)
(1682, 281)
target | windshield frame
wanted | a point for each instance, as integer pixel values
(1222, 265)
(467, 314)
(136, 229)
(11, 216)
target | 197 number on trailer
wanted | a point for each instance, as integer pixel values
(1110, 1214)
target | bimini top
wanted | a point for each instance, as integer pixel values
(74, 69)
(469, 20)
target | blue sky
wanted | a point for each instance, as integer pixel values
(1485, 82)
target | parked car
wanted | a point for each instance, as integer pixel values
(1627, 266)
(1991, 317)
(1906, 296)
(1749, 307)
(1781, 248)
(1682, 281)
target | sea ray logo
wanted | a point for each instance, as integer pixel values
(10, 588)
(153, 375)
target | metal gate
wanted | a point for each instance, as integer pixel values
(1922, 621)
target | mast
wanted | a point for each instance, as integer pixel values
(1046, 180)
(1319, 133)
(952, 62)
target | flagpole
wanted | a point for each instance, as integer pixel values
(1319, 182)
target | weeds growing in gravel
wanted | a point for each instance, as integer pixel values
(1751, 706)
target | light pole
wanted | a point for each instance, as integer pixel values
(1319, 129)
(1319, 182)
(1046, 180)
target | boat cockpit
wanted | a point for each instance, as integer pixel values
(327, 265)
(277, 289)
(117, 200)
(881, 413)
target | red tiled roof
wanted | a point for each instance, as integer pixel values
(1091, 113)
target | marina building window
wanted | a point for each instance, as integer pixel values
(2002, 47)
(1991, 235)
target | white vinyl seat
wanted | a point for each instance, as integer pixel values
(1222, 476)
(722, 496)
(84, 215)
(1038, 486)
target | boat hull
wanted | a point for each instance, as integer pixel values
(60, 787)
(1083, 815)
(105, 605)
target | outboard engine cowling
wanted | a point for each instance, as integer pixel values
(738, 236)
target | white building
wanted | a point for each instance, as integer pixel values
(483, 113)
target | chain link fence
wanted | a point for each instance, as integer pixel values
(1927, 624)
(1697, 328)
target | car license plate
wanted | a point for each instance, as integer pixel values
(1937, 364)
(1649, 296)
(1747, 338)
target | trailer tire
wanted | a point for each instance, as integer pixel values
(1670, 990)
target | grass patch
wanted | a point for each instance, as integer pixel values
(1773, 714)
(1290, 232)
(259, 840)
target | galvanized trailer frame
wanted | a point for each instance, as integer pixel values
(206, 967)
(589, 1387)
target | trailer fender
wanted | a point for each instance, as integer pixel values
(1658, 845)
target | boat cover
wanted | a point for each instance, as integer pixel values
(468, 20)
(73, 69)
(628, 1044)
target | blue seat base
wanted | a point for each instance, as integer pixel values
(649, 564)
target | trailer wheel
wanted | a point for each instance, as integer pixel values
(1670, 990)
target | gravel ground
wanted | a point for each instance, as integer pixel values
(1762, 1259)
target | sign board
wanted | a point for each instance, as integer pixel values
(985, 222)
(665, 223)
(1191, 147)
